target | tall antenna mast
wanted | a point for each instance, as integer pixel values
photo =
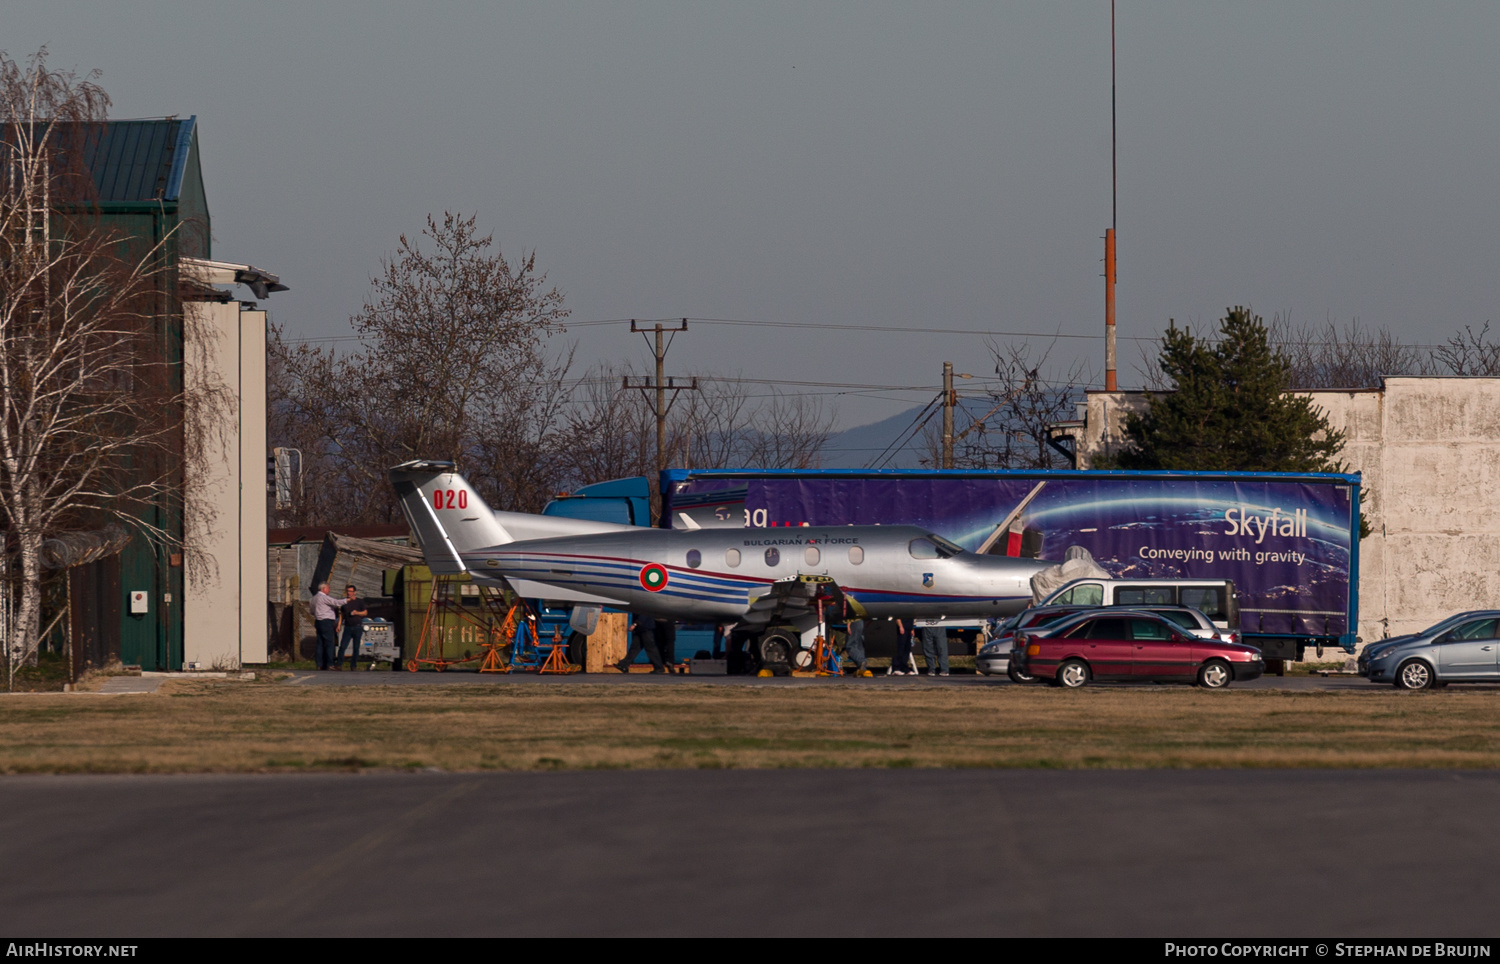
(1110, 383)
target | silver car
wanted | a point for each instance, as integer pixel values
(1461, 649)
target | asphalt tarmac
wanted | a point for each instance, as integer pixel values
(1166, 854)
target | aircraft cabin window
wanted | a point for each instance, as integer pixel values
(856, 555)
(731, 558)
(810, 555)
(695, 559)
(922, 549)
(773, 556)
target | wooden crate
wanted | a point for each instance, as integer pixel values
(609, 643)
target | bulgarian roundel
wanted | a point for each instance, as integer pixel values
(653, 578)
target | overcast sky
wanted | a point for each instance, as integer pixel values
(924, 165)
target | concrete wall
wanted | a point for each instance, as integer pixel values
(223, 607)
(1428, 452)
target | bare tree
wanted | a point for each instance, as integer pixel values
(609, 433)
(1326, 356)
(521, 460)
(1351, 356)
(710, 426)
(1470, 353)
(791, 433)
(303, 414)
(1013, 433)
(722, 425)
(451, 365)
(93, 409)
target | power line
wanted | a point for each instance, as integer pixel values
(895, 329)
(904, 437)
(833, 326)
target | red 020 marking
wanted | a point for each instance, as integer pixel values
(450, 498)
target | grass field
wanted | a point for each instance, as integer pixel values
(203, 726)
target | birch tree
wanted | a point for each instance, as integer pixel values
(92, 410)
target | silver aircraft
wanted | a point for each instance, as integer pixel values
(755, 578)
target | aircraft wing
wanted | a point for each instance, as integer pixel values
(795, 601)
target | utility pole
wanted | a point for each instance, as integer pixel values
(661, 385)
(949, 400)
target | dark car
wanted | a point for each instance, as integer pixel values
(993, 657)
(1129, 645)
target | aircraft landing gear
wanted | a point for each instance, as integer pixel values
(776, 649)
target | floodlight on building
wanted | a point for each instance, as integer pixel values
(208, 272)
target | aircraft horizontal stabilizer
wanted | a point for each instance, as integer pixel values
(551, 593)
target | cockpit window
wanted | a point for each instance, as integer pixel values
(933, 546)
(945, 547)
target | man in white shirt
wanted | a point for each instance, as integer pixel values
(325, 613)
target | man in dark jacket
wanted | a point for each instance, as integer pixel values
(352, 613)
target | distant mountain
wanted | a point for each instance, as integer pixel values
(857, 447)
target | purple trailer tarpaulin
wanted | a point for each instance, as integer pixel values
(1287, 541)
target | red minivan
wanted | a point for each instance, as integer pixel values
(1129, 645)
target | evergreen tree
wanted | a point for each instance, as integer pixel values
(1230, 410)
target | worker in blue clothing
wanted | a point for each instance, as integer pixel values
(935, 650)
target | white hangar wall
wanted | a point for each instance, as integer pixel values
(224, 609)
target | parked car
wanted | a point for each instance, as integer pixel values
(1464, 648)
(1129, 644)
(994, 657)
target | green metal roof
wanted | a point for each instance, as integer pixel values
(140, 160)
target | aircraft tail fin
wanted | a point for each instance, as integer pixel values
(446, 515)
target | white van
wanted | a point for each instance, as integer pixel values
(1212, 597)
